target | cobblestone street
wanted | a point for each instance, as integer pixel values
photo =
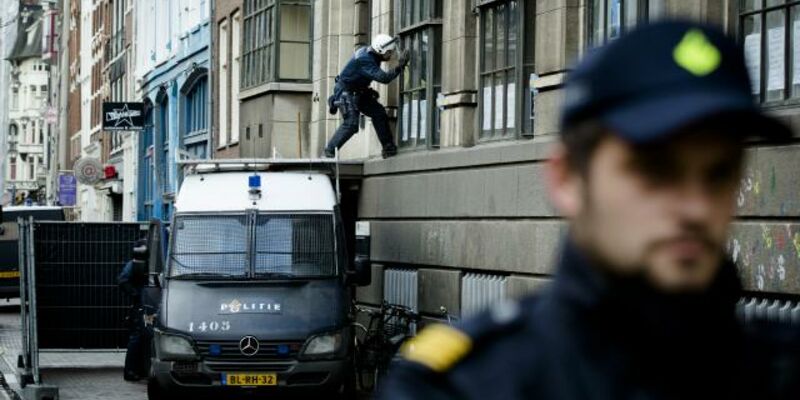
(79, 376)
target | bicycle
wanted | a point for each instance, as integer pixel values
(377, 343)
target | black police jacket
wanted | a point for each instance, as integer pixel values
(362, 69)
(132, 280)
(590, 336)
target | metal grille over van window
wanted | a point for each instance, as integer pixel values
(300, 245)
(400, 287)
(210, 244)
(479, 291)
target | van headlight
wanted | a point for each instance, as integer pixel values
(328, 344)
(174, 347)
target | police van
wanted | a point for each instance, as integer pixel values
(255, 292)
(9, 244)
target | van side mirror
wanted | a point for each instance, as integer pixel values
(361, 273)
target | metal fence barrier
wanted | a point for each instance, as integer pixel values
(70, 298)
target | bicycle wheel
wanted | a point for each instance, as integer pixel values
(364, 362)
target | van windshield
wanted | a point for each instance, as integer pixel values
(283, 246)
(299, 245)
(205, 245)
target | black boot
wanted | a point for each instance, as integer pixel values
(328, 153)
(389, 151)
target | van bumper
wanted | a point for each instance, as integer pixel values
(329, 376)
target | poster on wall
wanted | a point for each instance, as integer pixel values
(67, 189)
(752, 57)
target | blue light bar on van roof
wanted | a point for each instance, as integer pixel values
(254, 181)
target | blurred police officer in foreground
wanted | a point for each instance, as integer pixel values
(643, 302)
(353, 96)
(132, 280)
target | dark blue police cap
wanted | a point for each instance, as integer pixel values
(662, 77)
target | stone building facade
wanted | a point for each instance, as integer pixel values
(28, 134)
(461, 215)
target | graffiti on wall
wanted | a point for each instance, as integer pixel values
(768, 256)
(767, 250)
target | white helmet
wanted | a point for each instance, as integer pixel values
(383, 43)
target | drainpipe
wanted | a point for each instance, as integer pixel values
(212, 79)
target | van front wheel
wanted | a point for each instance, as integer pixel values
(155, 391)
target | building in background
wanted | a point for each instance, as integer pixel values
(28, 134)
(72, 78)
(460, 218)
(172, 63)
(119, 86)
(92, 205)
(274, 74)
(8, 34)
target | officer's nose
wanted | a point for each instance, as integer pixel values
(695, 201)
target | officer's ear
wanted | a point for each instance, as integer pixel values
(564, 183)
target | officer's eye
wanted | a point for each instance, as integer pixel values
(655, 169)
(723, 174)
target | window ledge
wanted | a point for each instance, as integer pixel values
(460, 99)
(228, 145)
(547, 82)
(276, 87)
(510, 151)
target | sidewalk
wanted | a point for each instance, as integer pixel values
(78, 375)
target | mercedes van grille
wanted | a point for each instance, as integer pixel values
(229, 351)
(248, 366)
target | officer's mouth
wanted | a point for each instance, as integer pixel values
(687, 249)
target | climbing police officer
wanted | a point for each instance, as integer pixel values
(353, 96)
(642, 305)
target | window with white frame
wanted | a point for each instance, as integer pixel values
(506, 69)
(608, 19)
(420, 27)
(196, 118)
(277, 41)
(770, 33)
(236, 65)
(223, 100)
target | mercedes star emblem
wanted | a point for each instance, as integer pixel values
(249, 345)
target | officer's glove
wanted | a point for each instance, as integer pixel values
(403, 57)
(332, 107)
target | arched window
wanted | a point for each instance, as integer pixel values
(195, 113)
(162, 143)
(146, 178)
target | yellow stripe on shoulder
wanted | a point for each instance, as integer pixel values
(437, 347)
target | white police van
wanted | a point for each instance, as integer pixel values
(256, 286)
